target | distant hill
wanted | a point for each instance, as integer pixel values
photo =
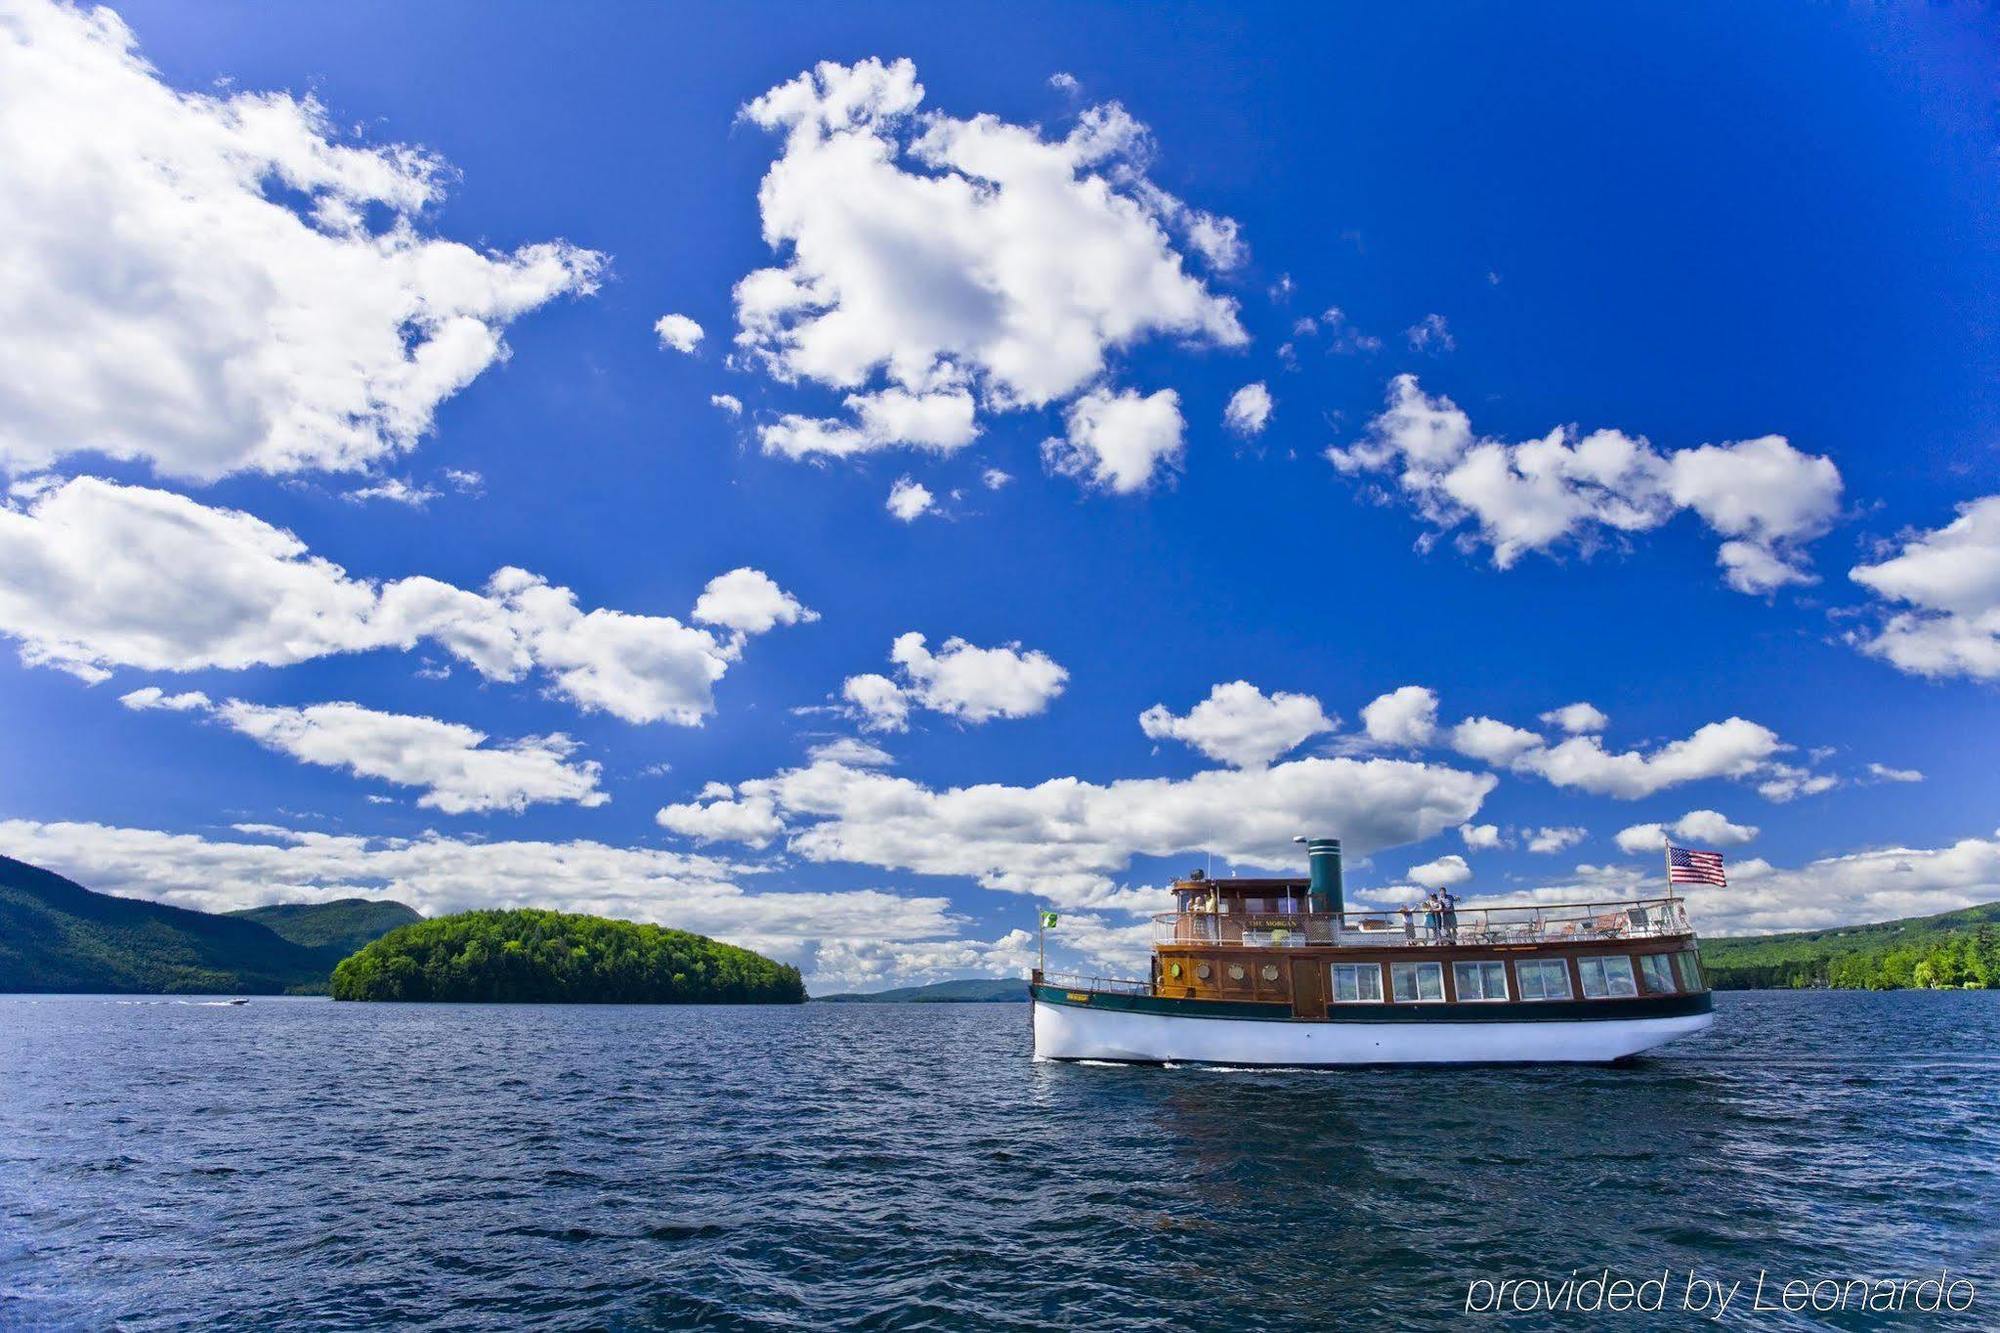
(340, 926)
(1951, 949)
(975, 991)
(528, 956)
(56, 935)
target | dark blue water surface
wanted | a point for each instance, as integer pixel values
(302, 1164)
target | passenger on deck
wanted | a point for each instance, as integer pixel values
(1431, 918)
(1449, 902)
(1409, 924)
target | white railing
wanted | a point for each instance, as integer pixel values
(1078, 982)
(1650, 918)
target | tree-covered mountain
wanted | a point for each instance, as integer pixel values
(1951, 949)
(541, 957)
(56, 935)
(976, 990)
(337, 927)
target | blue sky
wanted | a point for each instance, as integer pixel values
(1747, 255)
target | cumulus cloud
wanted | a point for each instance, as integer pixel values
(222, 283)
(1118, 441)
(678, 333)
(1699, 828)
(959, 680)
(1949, 581)
(749, 601)
(1441, 873)
(396, 490)
(1480, 837)
(1884, 773)
(95, 575)
(152, 698)
(928, 261)
(1492, 741)
(1241, 725)
(1405, 716)
(1732, 748)
(1249, 410)
(1576, 718)
(1554, 839)
(1764, 497)
(437, 874)
(1876, 884)
(993, 478)
(458, 772)
(910, 500)
(1064, 839)
(728, 402)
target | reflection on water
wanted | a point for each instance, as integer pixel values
(297, 1163)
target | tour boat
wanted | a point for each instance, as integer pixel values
(1278, 972)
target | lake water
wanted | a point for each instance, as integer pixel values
(301, 1164)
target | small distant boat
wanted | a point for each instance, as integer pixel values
(1277, 972)
(239, 1001)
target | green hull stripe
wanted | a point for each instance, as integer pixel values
(1261, 1011)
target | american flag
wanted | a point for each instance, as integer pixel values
(1691, 867)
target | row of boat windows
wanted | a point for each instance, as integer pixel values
(1484, 981)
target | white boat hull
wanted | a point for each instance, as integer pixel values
(1078, 1032)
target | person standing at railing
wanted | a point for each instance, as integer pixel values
(1449, 902)
(1409, 924)
(1431, 918)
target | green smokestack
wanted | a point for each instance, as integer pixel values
(1327, 891)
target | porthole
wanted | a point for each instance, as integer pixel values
(1270, 972)
(1236, 971)
(1202, 971)
(1174, 970)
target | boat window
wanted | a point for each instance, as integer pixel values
(1480, 981)
(1607, 976)
(1542, 979)
(1689, 969)
(1417, 983)
(1659, 970)
(1357, 983)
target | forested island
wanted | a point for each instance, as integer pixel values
(1950, 951)
(530, 956)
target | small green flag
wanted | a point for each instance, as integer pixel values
(1048, 920)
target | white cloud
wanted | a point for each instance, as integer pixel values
(1552, 840)
(1950, 578)
(1064, 82)
(943, 258)
(678, 333)
(749, 601)
(718, 816)
(1699, 828)
(959, 680)
(882, 704)
(95, 575)
(1577, 718)
(910, 500)
(853, 752)
(458, 771)
(728, 402)
(993, 478)
(1063, 839)
(1441, 873)
(218, 283)
(1431, 332)
(1732, 748)
(1480, 837)
(1405, 716)
(1878, 884)
(1249, 410)
(1763, 496)
(1118, 441)
(1241, 725)
(1884, 773)
(1788, 782)
(152, 698)
(396, 490)
(437, 874)
(1492, 741)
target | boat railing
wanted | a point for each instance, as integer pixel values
(1526, 924)
(1077, 981)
